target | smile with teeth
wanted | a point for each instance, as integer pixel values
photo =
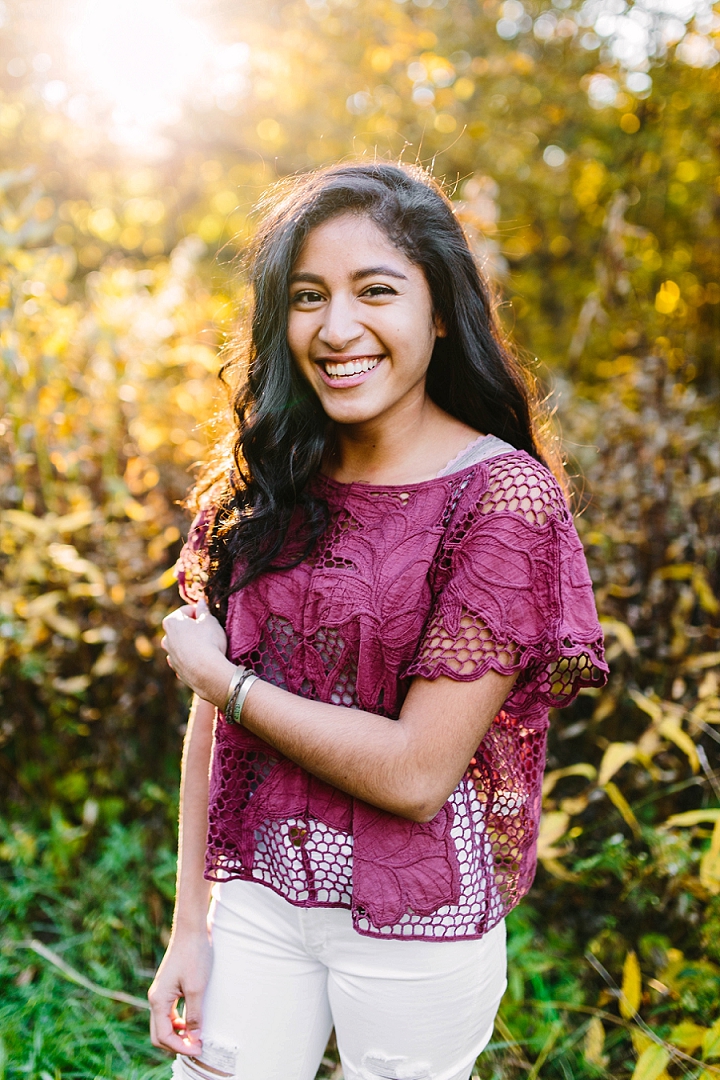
(351, 367)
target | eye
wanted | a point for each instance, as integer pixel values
(307, 296)
(373, 291)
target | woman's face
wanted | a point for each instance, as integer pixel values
(361, 326)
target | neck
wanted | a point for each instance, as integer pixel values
(391, 449)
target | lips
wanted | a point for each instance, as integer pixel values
(347, 371)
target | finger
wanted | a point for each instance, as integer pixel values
(164, 644)
(177, 1043)
(161, 1028)
(187, 611)
(193, 1013)
(168, 1031)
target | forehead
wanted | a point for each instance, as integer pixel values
(347, 242)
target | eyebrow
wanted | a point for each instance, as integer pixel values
(358, 275)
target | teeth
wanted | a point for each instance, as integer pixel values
(352, 367)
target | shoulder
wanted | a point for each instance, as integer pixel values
(519, 486)
(192, 566)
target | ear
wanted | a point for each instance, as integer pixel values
(440, 327)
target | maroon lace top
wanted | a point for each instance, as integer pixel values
(477, 570)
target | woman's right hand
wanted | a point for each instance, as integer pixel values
(196, 644)
(183, 973)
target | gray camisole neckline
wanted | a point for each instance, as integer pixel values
(484, 447)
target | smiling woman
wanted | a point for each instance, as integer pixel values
(385, 594)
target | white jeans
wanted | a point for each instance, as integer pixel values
(282, 977)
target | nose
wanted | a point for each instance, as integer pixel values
(340, 327)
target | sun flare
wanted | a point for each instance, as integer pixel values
(142, 56)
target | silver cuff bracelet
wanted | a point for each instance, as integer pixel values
(242, 693)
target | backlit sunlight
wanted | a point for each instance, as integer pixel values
(143, 56)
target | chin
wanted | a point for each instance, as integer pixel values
(350, 418)
(349, 412)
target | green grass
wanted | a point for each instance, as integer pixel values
(103, 912)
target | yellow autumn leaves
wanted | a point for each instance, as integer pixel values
(666, 727)
(654, 1054)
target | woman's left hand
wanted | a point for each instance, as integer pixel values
(195, 643)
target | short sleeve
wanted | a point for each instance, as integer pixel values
(513, 592)
(192, 565)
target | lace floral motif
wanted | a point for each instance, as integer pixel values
(474, 571)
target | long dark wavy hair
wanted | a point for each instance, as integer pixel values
(260, 481)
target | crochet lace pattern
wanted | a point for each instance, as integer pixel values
(474, 571)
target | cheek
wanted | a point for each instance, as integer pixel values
(420, 334)
(296, 339)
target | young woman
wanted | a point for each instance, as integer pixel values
(385, 594)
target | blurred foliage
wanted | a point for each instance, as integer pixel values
(588, 183)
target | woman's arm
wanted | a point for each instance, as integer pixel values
(185, 967)
(408, 766)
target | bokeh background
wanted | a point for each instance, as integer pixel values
(581, 142)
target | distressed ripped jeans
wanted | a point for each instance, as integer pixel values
(283, 976)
